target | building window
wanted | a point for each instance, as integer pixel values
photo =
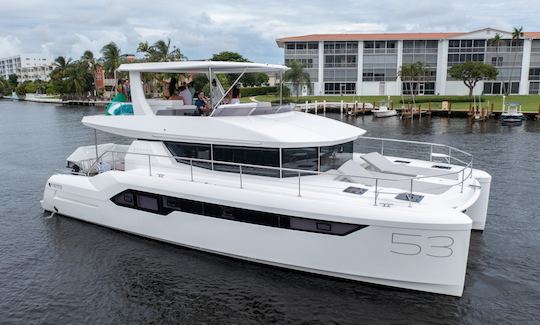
(499, 88)
(534, 74)
(497, 61)
(534, 88)
(164, 205)
(340, 88)
(419, 88)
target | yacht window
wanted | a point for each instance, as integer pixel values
(332, 157)
(126, 199)
(164, 205)
(247, 155)
(183, 205)
(146, 202)
(300, 158)
(190, 150)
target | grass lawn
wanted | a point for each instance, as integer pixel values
(529, 103)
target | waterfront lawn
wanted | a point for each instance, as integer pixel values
(529, 103)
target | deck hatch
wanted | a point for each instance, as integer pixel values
(355, 190)
(416, 198)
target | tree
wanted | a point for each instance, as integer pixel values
(160, 51)
(90, 60)
(471, 72)
(413, 73)
(111, 58)
(517, 34)
(228, 56)
(12, 81)
(297, 76)
(61, 64)
(79, 78)
(3, 85)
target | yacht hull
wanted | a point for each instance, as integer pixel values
(384, 113)
(419, 256)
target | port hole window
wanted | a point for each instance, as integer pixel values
(146, 202)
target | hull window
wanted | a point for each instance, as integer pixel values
(164, 205)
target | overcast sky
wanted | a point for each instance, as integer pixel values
(201, 28)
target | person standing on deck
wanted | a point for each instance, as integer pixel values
(234, 95)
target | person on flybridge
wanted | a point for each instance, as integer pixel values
(216, 92)
(203, 107)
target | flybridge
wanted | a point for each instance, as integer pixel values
(209, 68)
(217, 67)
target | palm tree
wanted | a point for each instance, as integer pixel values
(78, 77)
(413, 72)
(61, 65)
(297, 76)
(111, 58)
(90, 60)
(517, 34)
(160, 51)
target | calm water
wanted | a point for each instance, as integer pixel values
(65, 271)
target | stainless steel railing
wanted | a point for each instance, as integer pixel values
(462, 174)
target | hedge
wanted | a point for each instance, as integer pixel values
(257, 91)
(438, 99)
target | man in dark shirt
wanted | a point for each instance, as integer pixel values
(202, 105)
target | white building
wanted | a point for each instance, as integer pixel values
(26, 67)
(368, 64)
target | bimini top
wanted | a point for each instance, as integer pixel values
(281, 130)
(202, 67)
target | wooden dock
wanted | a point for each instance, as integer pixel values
(349, 108)
(477, 112)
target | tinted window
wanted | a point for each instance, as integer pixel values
(161, 204)
(147, 202)
(300, 158)
(183, 205)
(247, 155)
(190, 150)
(125, 198)
(332, 157)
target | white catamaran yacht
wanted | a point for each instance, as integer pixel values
(276, 186)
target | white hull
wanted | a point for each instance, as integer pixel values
(384, 113)
(391, 251)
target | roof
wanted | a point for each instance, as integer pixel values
(383, 36)
(361, 37)
(281, 130)
(202, 67)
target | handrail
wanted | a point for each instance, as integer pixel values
(299, 172)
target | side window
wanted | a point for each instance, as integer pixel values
(300, 158)
(190, 150)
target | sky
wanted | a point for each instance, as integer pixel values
(202, 28)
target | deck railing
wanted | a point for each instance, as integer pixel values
(448, 154)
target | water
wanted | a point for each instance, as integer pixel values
(61, 270)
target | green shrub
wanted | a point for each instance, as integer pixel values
(438, 99)
(258, 91)
(20, 90)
